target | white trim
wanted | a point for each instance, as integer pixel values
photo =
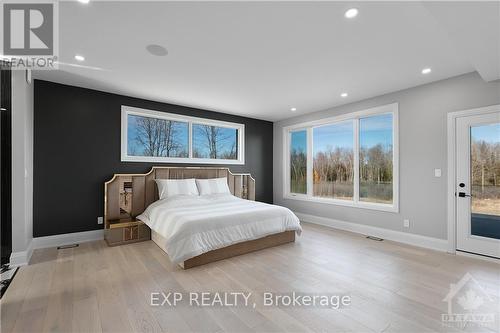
(340, 202)
(451, 201)
(388, 108)
(355, 129)
(392, 109)
(392, 235)
(190, 140)
(21, 258)
(395, 159)
(126, 110)
(478, 256)
(67, 239)
(452, 241)
(286, 160)
(309, 163)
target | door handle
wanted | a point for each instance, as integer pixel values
(463, 195)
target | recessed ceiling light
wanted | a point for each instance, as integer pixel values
(344, 95)
(351, 13)
(157, 50)
(426, 70)
(293, 109)
(79, 57)
(84, 1)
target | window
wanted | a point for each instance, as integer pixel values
(333, 161)
(215, 142)
(348, 160)
(151, 136)
(375, 159)
(298, 162)
(157, 137)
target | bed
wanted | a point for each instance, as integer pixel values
(196, 230)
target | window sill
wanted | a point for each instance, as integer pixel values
(185, 160)
(338, 202)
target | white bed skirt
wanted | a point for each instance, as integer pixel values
(161, 241)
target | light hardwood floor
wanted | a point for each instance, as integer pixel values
(94, 288)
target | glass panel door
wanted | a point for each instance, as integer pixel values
(485, 180)
(478, 184)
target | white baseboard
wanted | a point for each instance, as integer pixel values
(67, 239)
(22, 258)
(397, 236)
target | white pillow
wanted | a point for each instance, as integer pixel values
(212, 186)
(171, 187)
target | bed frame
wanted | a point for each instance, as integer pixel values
(127, 195)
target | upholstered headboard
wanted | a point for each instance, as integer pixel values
(128, 195)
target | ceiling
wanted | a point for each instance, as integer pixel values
(260, 59)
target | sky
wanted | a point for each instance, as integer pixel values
(373, 130)
(489, 133)
(299, 141)
(336, 135)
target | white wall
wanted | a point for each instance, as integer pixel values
(422, 146)
(22, 168)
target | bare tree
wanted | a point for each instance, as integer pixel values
(298, 170)
(214, 139)
(485, 172)
(485, 163)
(376, 164)
(230, 154)
(158, 137)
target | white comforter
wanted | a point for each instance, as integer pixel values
(193, 225)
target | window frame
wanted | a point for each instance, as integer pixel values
(129, 110)
(355, 117)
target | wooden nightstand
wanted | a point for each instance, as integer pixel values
(126, 231)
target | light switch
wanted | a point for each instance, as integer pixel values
(437, 172)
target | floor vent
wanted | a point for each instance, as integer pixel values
(375, 238)
(70, 246)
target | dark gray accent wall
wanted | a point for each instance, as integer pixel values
(77, 149)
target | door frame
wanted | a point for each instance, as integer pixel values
(451, 211)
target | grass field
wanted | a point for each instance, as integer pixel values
(298, 186)
(369, 192)
(342, 191)
(486, 199)
(486, 206)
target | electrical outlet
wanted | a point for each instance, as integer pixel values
(100, 220)
(406, 223)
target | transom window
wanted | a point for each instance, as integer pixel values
(347, 160)
(152, 136)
